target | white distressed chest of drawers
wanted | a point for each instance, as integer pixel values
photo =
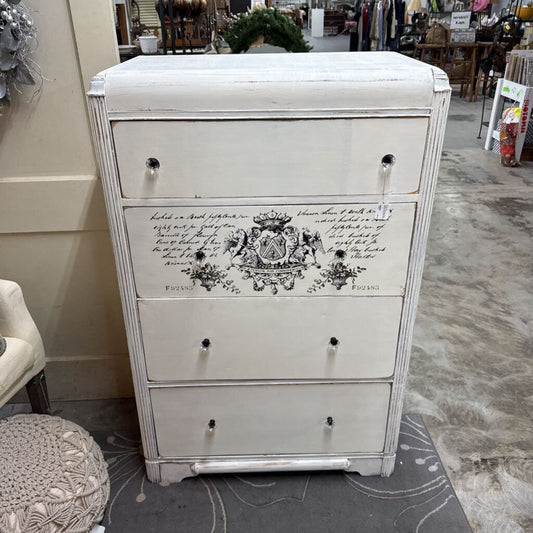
(269, 215)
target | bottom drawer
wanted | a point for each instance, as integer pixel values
(270, 419)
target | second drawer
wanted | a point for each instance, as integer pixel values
(272, 338)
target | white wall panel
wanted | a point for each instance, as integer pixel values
(54, 237)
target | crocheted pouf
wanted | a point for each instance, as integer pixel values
(53, 476)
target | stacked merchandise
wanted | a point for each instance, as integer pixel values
(527, 150)
(520, 67)
(526, 42)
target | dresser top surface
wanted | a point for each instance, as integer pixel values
(363, 80)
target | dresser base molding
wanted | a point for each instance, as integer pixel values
(387, 467)
(365, 465)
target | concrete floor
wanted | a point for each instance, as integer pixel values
(471, 375)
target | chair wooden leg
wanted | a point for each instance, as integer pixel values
(38, 394)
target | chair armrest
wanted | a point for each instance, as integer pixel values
(15, 319)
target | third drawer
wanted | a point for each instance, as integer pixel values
(273, 338)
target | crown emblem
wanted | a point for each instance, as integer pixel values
(272, 221)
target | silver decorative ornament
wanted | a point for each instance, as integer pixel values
(9, 18)
(3, 3)
(14, 25)
(3, 14)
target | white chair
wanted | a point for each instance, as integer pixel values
(22, 362)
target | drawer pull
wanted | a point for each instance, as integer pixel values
(333, 346)
(206, 343)
(199, 256)
(152, 163)
(211, 424)
(388, 160)
(329, 422)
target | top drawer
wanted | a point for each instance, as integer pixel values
(255, 158)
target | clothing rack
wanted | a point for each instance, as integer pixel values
(378, 24)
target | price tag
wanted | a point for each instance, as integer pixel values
(383, 208)
(383, 211)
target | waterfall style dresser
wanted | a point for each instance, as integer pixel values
(269, 217)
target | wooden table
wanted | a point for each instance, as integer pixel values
(434, 54)
(463, 61)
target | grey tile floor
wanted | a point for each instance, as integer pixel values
(471, 375)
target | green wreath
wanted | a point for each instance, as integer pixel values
(277, 30)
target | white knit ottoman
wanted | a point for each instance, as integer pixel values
(53, 476)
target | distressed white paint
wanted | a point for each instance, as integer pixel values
(283, 84)
(105, 156)
(274, 413)
(267, 341)
(294, 157)
(270, 419)
(434, 144)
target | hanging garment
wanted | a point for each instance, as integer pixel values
(354, 33)
(374, 31)
(400, 12)
(369, 24)
(394, 22)
(394, 37)
(363, 30)
(379, 46)
(386, 9)
(390, 25)
(361, 26)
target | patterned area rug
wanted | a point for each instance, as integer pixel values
(417, 498)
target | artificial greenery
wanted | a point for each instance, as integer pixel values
(17, 35)
(269, 23)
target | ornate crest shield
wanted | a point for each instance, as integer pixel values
(271, 247)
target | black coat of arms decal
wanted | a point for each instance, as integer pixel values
(272, 254)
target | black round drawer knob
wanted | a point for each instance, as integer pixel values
(329, 421)
(152, 163)
(211, 424)
(334, 341)
(388, 160)
(206, 343)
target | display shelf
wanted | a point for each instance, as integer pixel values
(521, 94)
